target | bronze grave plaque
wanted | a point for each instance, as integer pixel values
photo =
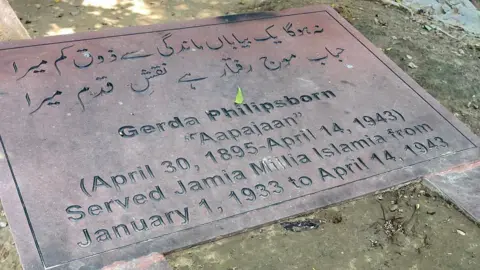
(121, 143)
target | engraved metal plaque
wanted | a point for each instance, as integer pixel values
(125, 142)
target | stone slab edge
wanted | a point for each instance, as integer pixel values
(10, 26)
(461, 186)
(153, 261)
(138, 260)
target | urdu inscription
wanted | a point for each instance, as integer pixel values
(131, 138)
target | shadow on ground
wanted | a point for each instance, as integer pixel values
(49, 17)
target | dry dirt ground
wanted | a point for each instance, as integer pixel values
(422, 232)
(353, 235)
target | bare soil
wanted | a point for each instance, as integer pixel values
(415, 230)
(423, 231)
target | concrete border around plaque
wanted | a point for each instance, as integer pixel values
(459, 185)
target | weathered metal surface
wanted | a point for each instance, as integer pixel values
(122, 143)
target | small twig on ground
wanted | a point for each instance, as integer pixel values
(391, 225)
(396, 4)
(383, 211)
(406, 224)
(447, 34)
